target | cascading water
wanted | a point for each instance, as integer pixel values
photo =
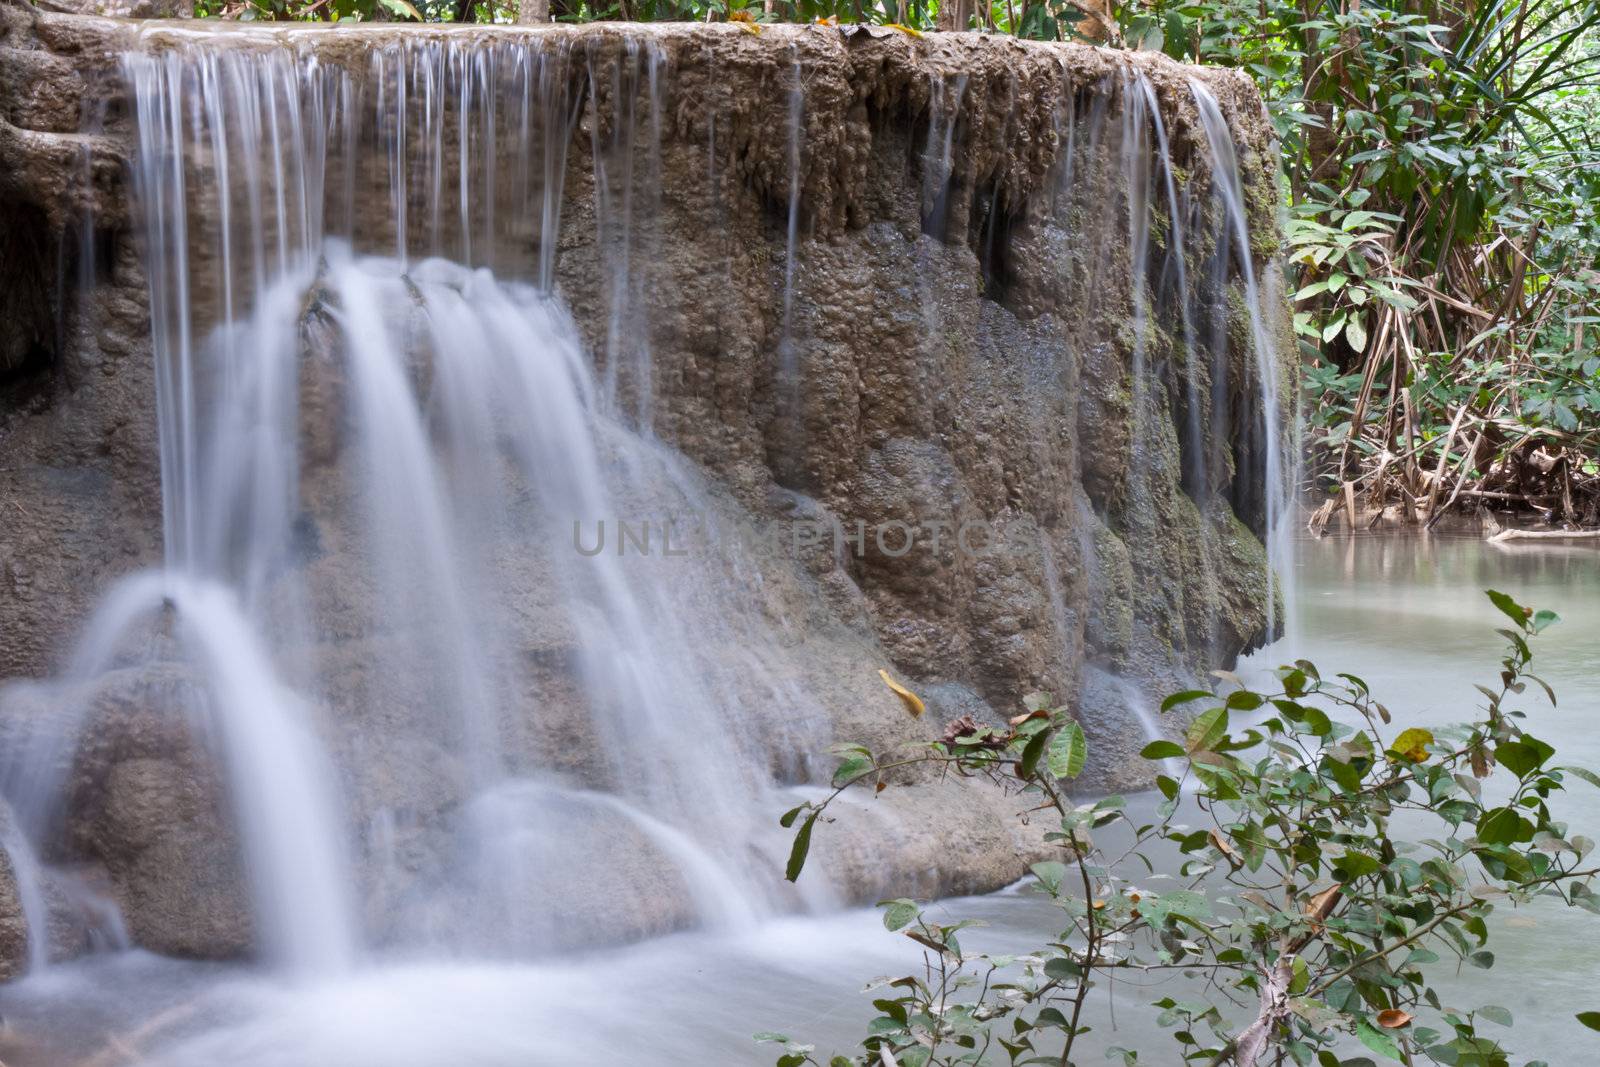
(441, 420)
(1278, 437)
(419, 606)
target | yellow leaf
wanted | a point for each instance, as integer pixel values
(1393, 1018)
(907, 30)
(1413, 744)
(746, 20)
(912, 702)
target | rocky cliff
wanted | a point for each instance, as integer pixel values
(884, 285)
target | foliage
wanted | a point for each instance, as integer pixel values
(1441, 167)
(1037, 19)
(358, 10)
(1296, 894)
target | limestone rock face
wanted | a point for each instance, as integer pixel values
(944, 346)
(13, 921)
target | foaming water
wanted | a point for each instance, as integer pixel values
(692, 999)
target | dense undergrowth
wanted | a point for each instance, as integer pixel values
(1441, 171)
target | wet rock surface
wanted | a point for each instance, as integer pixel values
(953, 353)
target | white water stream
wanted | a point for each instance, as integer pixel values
(382, 437)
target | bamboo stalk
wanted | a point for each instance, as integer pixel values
(1411, 435)
(1444, 457)
(1461, 480)
(1358, 414)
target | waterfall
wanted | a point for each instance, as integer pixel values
(1278, 438)
(486, 661)
(412, 422)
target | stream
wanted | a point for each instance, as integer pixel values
(1406, 613)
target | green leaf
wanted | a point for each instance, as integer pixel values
(401, 7)
(1353, 865)
(1377, 1040)
(898, 914)
(1068, 750)
(850, 770)
(1495, 1014)
(1181, 902)
(1524, 756)
(1062, 969)
(1245, 700)
(1355, 332)
(1208, 728)
(1503, 826)
(1508, 607)
(1184, 697)
(1029, 763)
(802, 845)
(1161, 750)
(1050, 875)
(1583, 772)
(1591, 1019)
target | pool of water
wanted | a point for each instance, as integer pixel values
(1407, 614)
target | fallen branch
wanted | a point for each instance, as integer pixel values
(1545, 535)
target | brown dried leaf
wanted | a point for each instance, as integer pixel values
(968, 731)
(1223, 847)
(1321, 906)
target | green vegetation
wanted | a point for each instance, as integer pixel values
(1441, 175)
(1311, 927)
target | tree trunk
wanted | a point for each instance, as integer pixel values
(956, 14)
(533, 11)
(1099, 21)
